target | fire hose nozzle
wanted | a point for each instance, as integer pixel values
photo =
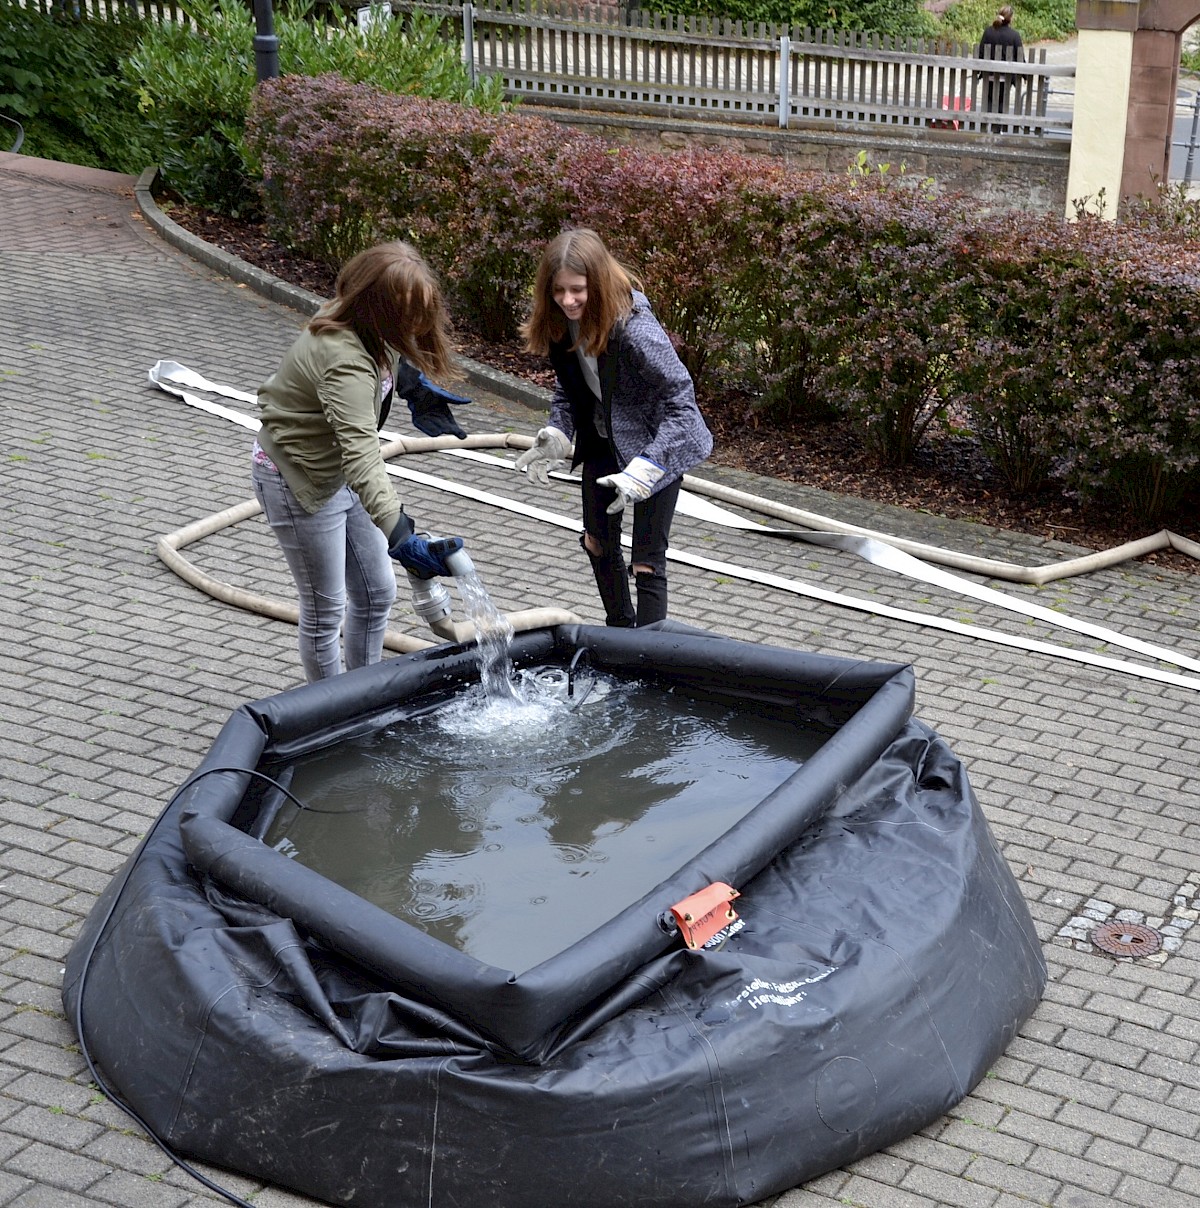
(430, 598)
(459, 563)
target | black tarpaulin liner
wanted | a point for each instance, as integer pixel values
(262, 1018)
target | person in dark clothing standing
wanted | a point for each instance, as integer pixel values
(627, 402)
(1001, 41)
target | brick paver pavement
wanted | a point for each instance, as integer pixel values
(115, 676)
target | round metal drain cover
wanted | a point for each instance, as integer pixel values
(1126, 939)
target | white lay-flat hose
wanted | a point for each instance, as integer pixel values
(166, 373)
(888, 552)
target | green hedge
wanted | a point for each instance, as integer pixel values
(60, 79)
(871, 298)
(893, 18)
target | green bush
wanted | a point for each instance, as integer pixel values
(1134, 431)
(895, 18)
(1068, 348)
(343, 165)
(1171, 213)
(672, 219)
(1013, 379)
(59, 77)
(797, 238)
(896, 289)
(349, 165)
(519, 187)
(194, 84)
(481, 194)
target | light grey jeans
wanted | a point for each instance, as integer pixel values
(344, 577)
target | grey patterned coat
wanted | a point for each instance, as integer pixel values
(647, 400)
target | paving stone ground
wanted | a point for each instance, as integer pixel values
(115, 675)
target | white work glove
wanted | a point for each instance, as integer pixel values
(549, 449)
(633, 484)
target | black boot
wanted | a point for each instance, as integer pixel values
(612, 581)
(651, 597)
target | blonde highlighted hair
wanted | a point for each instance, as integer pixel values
(389, 297)
(609, 293)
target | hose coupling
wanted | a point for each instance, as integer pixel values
(430, 599)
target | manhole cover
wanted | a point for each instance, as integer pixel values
(1126, 939)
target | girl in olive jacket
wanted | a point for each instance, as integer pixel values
(318, 472)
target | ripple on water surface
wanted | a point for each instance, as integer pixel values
(511, 826)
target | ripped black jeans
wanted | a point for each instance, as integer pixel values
(651, 530)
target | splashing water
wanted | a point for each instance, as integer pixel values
(493, 635)
(506, 700)
(531, 716)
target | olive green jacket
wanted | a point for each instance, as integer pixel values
(321, 412)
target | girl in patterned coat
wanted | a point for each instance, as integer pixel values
(625, 399)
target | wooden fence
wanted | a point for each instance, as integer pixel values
(111, 10)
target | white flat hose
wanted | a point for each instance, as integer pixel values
(887, 552)
(876, 551)
(989, 568)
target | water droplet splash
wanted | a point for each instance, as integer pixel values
(521, 699)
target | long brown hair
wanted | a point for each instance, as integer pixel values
(389, 297)
(609, 287)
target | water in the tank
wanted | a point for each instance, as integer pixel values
(511, 826)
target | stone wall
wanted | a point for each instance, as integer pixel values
(1001, 172)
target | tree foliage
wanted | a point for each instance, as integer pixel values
(194, 84)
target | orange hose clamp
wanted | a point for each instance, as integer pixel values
(702, 914)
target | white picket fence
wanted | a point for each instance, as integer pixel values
(609, 58)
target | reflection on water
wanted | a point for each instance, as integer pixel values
(511, 825)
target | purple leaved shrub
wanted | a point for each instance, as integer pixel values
(1067, 349)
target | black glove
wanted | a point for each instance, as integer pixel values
(428, 403)
(432, 416)
(403, 528)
